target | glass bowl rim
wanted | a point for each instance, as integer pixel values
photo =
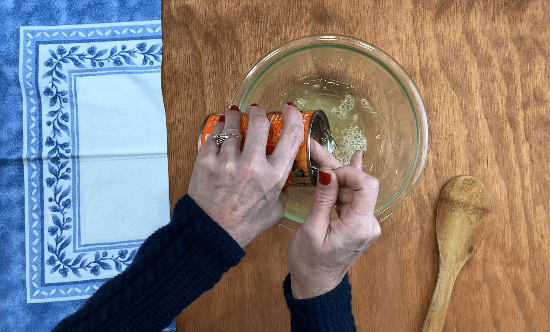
(249, 81)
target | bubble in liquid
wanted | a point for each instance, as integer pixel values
(352, 141)
(300, 103)
(366, 105)
(346, 106)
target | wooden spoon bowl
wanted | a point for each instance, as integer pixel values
(462, 216)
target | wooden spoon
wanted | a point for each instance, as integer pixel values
(462, 216)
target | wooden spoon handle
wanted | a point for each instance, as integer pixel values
(435, 318)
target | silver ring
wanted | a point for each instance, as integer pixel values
(220, 138)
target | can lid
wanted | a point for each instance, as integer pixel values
(332, 145)
(319, 128)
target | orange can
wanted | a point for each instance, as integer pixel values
(304, 170)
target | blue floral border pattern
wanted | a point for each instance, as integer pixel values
(47, 149)
(58, 161)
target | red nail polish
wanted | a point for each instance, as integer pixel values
(290, 103)
(363, 155)
(254, 104)
(324, 178)
(235, 108)
(222, 118)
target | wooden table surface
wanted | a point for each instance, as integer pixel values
(483, 70)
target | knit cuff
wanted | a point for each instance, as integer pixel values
(227, 250)
(328, 312)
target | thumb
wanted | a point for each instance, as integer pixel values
(326, 194)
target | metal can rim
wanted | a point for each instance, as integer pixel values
(323, 117)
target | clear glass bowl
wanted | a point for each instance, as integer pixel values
(371, 104)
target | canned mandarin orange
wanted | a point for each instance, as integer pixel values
(304, 170)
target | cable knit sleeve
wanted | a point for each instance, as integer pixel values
(172, 268)
(330, 312)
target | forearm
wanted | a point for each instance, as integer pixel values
(327, 312)
(173, 267)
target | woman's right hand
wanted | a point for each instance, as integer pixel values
(324, 248)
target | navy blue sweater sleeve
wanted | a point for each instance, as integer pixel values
(324, 313)
(178, 263)
(172, 268)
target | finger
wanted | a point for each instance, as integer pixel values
(364, 186)
(345, 195)
(326, 194)
(209, 146)
(322, 157)
(292, 137)
(357, 160)
(232, 145)
(257, 132)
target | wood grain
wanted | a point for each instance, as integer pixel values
(483, 70)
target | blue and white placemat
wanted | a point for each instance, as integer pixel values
(84, 171)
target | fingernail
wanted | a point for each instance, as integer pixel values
(235, 108)
(254, 104)
(222, 118)
(362, 153)
(324, 178)
(290, 103)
